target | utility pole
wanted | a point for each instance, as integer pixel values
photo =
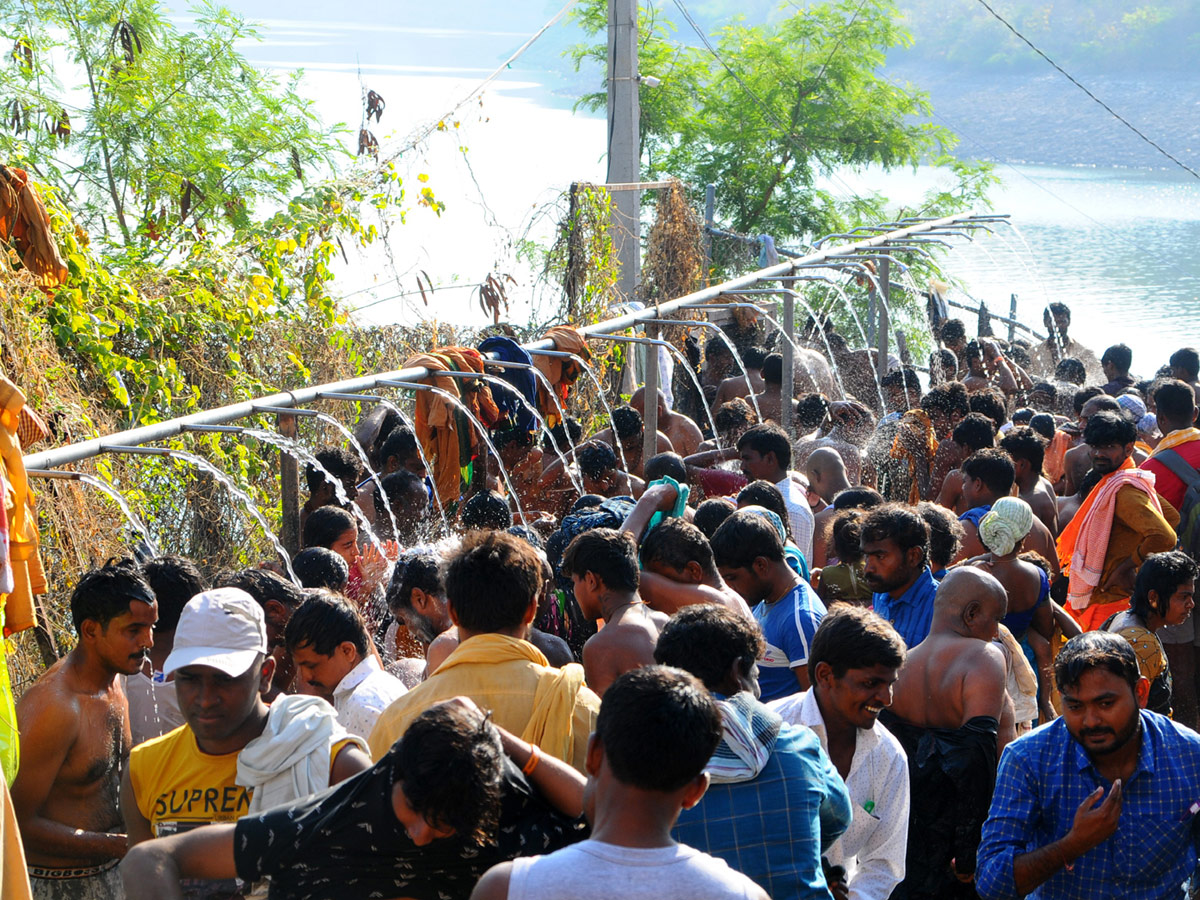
(624, 143)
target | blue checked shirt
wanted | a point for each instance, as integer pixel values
(912, 612)
(1044, 777)
(774, 828)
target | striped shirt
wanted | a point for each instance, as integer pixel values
(1043, 779)
(788, 626)
(800, 515)
(912, 612)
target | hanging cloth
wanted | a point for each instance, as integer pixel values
(523, 381)
(560, 372)
(28, 577)
(437, 427)
(25, 224)
(915, 437)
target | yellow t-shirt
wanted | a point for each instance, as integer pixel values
(177, 786)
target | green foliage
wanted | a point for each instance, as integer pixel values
(801, 97)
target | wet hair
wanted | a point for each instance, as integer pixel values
(1023, 415)
(852, 637)
(666, 464)
(857, 498)
(596, 458)
(946, 533)
(947, 398)
(764, 494)
(338, 461)
(772, 369)
(846, 535)
(609, 554)
(1018, 352)
(1070, 370)
(716, 347)
(1188, 359)
(395, 487)
(904, 378)
(764, 439)
(1043, 424)
(416, 569)
(587, 501)
(319, 567)
(450, 766)
(487, 509)
(401, 443)
(626, 422)
(676, 543)
(994, 468)
(811, 411)
(972, 351)
(735, 414)
(528, 535)
(953, 330)
(754, 357)
(1024, 443)
(900, 524)
(658, 727)
(1120, 356)
(174, 580)
(711, 513)
(976, 431)
(105, 593)
(949, 365)
(1096, 650)
(743, 538)
(991, 404)
(323, 622)
(1162, 573)
(326, 524)
(1173, 399)
(573, 431)
(522, 437)
(1105, 429)
(1083, 395)
(706, 640)
(1045, 387)
(1088, 482)
(1055, 310)
(491, 579)
(264, 586)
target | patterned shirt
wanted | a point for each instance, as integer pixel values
(912, 612)
(800, 515)
(775, 827)
(1044, 777)
(788, 626)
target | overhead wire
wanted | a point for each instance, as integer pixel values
(1112, 112)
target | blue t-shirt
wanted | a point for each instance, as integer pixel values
(911, 613)
(788, 626)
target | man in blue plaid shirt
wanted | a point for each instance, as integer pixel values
(1102, 802)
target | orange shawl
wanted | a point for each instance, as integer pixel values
(560, 372)
(914, 436)
(435, 426)
(479, 401)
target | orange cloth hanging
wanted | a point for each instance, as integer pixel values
(28, 577)
(25, 223)
(1053, 464)
(480, 400)
(435, 427)
(915, 436)
(559, 371)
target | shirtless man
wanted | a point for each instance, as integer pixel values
(952, 691)
(1027, 449)
(603, 565)
(770, 398)
(974, 432)
(75, 740)
(852, 425)
(1185, 365)
(742, 385)
(683, 433)
(826, 471)
(679, 568)
(627, 428)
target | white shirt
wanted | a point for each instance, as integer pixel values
(872, 849)
(800, 516)
(363, 694)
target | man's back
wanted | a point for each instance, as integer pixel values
(512, 678)
(626, 642)
(592, 870)
(770, 827)
(942, 677)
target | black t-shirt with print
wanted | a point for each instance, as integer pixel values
(347, 842)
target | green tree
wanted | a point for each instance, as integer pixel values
(772, 107)
(156, 136)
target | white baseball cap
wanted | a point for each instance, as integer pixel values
(223, 628)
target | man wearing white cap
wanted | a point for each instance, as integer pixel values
(235, 755)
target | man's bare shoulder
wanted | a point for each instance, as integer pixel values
(49, 709)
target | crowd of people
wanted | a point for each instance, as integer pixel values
(936, 644)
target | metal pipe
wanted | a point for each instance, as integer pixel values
(288, 410)
(289, 400)
(136, 451)
(54, 473)
(650, 394)
(217, 429)
(363, 398)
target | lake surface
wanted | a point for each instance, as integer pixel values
(1118, 245)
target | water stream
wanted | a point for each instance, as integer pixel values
(118, 498)
(437, 497)
(604, 402)
(362, 455)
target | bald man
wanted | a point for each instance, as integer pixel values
(684, 434)
(826, 472)
(952, 715)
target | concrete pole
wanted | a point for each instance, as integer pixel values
(289, 489)
(1012, 316)
(881, 363)
(650, 419)
(710, 213)
(624, 143)
(789, 363)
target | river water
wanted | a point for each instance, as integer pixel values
(1117, 245)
